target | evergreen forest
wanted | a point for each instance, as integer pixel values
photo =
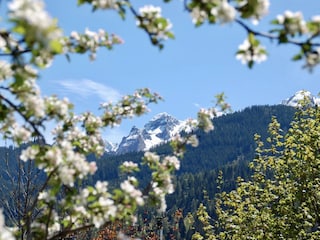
(229, 148)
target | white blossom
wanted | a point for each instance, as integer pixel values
(198, 15)
(56, 107)
(172, 161)
(129, 164)
(35, 104)
(32, 13)
(293, 22)
(224, 12)
(205, 119)
(92, 167)
(20, 133)
(5, 70)
(128, 187)
(312, 59)
(66, 175)
(150, 11)
(29, 153)
(90, 41)
(260, 8)
(105, 201)
(54, 156)
(248, 53)
(152, 159)
(101, 186)
(160, 193)
(105, 4)
(148, 20)
(193, 141)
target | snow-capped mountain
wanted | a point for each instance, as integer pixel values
(162, 127)
(295, 100)
(110, 147)
(159, 129)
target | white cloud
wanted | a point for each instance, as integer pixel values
(87, 88)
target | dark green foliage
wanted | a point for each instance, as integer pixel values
(230, 147)
(233, 137)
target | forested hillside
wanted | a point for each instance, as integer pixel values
(228, 148)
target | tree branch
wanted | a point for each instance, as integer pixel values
(15, 108)
(274, 37)
(15, 53)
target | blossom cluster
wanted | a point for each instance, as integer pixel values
(205, 119)
(5, 70)
(224, 12)
(161, 183)
(65, 160)
(94, 203)
(150, 19)
(105, 4)
(254, 9)
(251, 52)
(129, 187)
(312, 59)
(90, 41)
(129, 167)
(128, 106)
(39, 29)
(213, 11)
(61, 158)
(25, 113)
(292, 22)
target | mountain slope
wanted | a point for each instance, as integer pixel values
(296, 99)
(160, 129)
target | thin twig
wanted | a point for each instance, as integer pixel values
(11, 104)
(274, 37)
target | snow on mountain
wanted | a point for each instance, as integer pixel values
(160, 129)
(295, 100)
(110, 147)
(134, 142)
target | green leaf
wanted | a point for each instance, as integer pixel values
(56, 47)
(170, 35)
(297, 57)
(251, 38)
(80, 2)
(250, 64)
(283, 38)
(19, 29)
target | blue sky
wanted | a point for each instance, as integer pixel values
(188, 73)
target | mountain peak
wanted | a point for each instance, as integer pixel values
(161, 115)
(160, 129)
(295, 100)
